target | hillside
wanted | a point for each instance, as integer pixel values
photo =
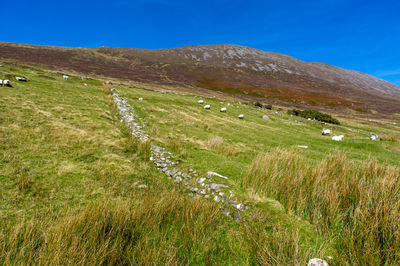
(243, 72)
(76, 187)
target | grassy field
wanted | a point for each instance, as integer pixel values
(70, 177)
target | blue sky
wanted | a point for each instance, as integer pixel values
(354, 34)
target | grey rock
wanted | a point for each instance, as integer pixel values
(226, 212)
(217, 186)
(317, 262)
(237, 216)
(265, 117)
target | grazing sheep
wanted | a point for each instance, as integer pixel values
(241, 116)
(65, 77)
(373, 136)
(200, 102)
(207, 106)
(85, 84)
(6, 83)
(140, 99)
(1, 83)
(338, 138)
(20, 79)
(223, 110)
(326, 132)
(265, 117)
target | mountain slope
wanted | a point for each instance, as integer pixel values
(233, 69)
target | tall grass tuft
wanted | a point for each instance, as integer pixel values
(218, 144)
(358, 203)
(163, 228)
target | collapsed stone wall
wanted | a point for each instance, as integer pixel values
(210, 186)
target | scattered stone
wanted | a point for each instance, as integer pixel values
(201, 180)
(217, 186)
(142, 186)
(317, 262)
(212, 174)
(302, 146)
(226, 212)
(165, 162)
(239, 206)
(265, 117)
(237, 216)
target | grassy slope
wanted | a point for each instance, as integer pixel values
(178, 118)
(66, 160)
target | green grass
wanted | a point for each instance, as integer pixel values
(70, 174)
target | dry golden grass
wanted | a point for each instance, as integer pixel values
(118, 232)
(218, 144)
(358, 203)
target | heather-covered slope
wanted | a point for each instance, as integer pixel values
(237, 70)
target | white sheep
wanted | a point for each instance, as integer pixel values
(241, 116)
(65, 77)
(338, 138)
(85, 84)
(223, 110)
(200, 102)
(207, 106)
(140, 99)
(20, 78)
(326, 132)
(7, 83)
(1, 83)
